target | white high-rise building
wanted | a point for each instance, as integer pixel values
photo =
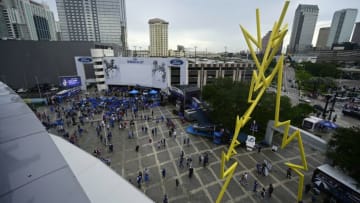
(342, 26)
(26, 20)
(158, 37)
(93, 20)
(303, 28)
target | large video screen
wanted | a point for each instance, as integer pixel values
(150, 72)
(70, 81)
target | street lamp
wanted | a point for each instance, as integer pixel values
(38, 86)
(195, 54)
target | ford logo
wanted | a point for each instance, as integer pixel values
(176, 62)
(85, 60)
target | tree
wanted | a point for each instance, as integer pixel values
(229, 99)
(343, 149)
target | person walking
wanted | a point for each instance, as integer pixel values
(165, 199)
(191, 171)
(163, 172)
(177, 182)
(270, 190)
(138, 180)
(255, 186)
(288, 173)
(181, 165)
(146, 177)
(137, 148)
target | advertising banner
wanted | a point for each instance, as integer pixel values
(70, 81)
(150, 72)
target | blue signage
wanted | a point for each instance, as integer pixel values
(85, 59)
(70, 81)
(176, 62)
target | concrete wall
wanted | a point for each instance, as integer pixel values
(308, 138)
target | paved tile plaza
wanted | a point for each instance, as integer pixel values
(205, 184)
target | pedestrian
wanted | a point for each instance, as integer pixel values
(146, 177)
(158, 144)
(165, 199)
(188, 141)
(174, 134)
(182, 153)
(263, 192)
(200, 158)
(170, 133)
(288, 173)
(191, 171)
(164, 142)
(111, 148)
(137, 148)
(177, 182)
(270, 190)
(259, 149)
(138, 180)
(181, 165)
(244, 178)
(184, 140)
(163, 172)
(255, 186)
(206, 160)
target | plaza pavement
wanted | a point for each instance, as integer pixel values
(205, 184)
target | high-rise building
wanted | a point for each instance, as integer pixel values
(356, 34)
(341, 26)
(26, 20)
(265, 41)
(322, 38)
(93, 20)
(158, 37)
(303, 28)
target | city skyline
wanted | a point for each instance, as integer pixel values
(212, 25)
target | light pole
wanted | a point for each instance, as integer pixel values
(195, 54)
(134, 54)
(38, 86)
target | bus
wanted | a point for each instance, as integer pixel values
(311, 123)
(335, 183)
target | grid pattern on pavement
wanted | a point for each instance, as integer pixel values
(205, 184)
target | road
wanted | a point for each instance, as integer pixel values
(294, 95)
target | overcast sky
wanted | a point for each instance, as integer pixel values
(214, 24)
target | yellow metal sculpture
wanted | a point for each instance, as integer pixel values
(259, 83)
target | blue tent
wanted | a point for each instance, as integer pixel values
(153, 92)
(133, 91)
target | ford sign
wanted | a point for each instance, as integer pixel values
(176, 62)
(85, 60)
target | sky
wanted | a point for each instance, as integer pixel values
(213, 25)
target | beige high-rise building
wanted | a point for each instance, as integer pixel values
(158, 37)
(322, 38)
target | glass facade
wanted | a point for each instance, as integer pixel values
(93, 20)
(42, 28)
